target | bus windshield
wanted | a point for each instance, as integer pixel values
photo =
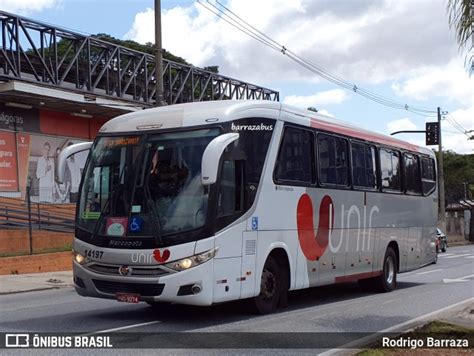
(150, 185)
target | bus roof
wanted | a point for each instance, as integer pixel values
(207, 112)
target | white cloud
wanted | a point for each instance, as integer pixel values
(366, 42)
(370, 41)
(325, 112)
(457, 142)
(452, 138)
(334, 96)
(27, 6)
(450, 80)
(464, 117)
(400, 125)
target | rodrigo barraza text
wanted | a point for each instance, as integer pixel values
(428, 342)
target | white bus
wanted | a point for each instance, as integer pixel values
(203, 203)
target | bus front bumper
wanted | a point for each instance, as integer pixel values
(192, 286)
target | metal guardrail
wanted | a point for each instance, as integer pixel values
(41, 53)
(11, 217)
(18, 213)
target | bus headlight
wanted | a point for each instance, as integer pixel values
(81, 259)
(193, 261)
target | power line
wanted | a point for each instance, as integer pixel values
(321, 70)
(237, 22)
(455, 124)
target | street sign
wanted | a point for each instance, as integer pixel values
(432, 133)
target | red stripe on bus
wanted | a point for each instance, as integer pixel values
(356, 277)
(352, 132)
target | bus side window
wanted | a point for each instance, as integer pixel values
(333, 160)
(364, 168)
(428, 175)
(390, 170)
(294, 165)
(412, 174)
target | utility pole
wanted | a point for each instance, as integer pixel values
(158, 57)
(442, 206)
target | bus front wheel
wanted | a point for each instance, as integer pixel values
(273, 288)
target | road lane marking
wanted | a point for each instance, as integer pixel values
(124, 327)
(446, 254)
(469, 257)
(460, 279)
(399, 328)
(435, 270)
(456, 256)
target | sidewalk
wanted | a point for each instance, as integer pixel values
(18, 283)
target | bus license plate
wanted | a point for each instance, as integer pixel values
(128, 298)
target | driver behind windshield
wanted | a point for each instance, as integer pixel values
(166, 178)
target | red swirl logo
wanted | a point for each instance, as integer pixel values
(314, 245)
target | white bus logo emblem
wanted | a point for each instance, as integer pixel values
(17, 340)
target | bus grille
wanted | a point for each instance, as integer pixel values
(144, 289)
(137, 271)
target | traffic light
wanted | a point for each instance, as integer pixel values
(432, 133)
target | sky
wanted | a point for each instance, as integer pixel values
(401, 49)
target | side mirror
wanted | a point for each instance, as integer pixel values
(212, 155)
(68, 152)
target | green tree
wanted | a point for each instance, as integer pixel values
(458, 169)
(461, 15)
(146, 48)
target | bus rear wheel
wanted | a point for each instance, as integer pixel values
(387, 281)
(273, 288)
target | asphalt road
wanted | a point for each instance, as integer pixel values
(341, 308)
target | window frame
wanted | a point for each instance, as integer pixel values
(377, 173)
(405, 180)
(377, 150)
(435, 181)
(399, 154)
(314, 178)
(349, 162)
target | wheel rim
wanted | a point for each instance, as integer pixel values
(389, 270)
(268, 285)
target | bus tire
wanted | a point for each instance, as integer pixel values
(444, 246)
(271, 286)
(387, 281)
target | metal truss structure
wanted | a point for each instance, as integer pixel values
(48, 55)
